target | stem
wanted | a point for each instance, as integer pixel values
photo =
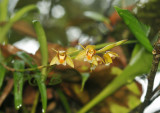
(23, 70)
(151, 77)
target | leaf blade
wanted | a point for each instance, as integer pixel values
(16, 17)
(2, 75)
(43, 45)
(85, 77)
(136, 28)
(18, 83)
(110, 46)
(42, 89)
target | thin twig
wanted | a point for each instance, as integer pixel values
(23, 70)
(35, 103)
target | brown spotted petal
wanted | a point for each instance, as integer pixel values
(96, 60)
(108, 56)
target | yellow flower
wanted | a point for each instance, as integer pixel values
(108, 56)
(62, 58)
(96, 60)
(87, 53)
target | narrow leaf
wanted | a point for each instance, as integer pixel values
(42, 89)
(18, 83)
(96, 16)
(43, 45)
(134, 88)
(4, 10)
(136, 27)
(133, 101)
(110, 46)
(15, 18)
(2, 74)
(64, 101)
(85, 77)
(115, 108)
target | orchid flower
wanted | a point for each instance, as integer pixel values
(87, 53)
(108, 56)
(63, 58)
(96, 61)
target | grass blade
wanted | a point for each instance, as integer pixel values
(85, 77)
(136, 27)
(15, 18)
(96, 16)
(43, 92)
(4, 10)
(64, 101)
(2, 74)
(18, 83)
(43, 46)
(110, 46)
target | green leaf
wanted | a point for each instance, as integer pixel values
(42, 89)
(135, 51)
(2, 74)
(18, 83)
(3, 10)
(96, 16)
(134, 88)
(140, 64)
(85, 77)
(64, 101)
(115, 108)
(133, 101)
(43, 45)
(15, 18)
(138, 29)
(116, 71)
(110, 46)
(99, 46)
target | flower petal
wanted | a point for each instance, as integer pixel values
(107, 58)
(54, 60)
(81, 55)
(69, 61)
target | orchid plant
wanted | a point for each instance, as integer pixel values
(89, 54)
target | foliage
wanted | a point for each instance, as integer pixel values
(35, 70)
(133, 69)
(18, 83)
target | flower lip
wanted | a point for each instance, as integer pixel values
(61, 56)
(90, 53)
